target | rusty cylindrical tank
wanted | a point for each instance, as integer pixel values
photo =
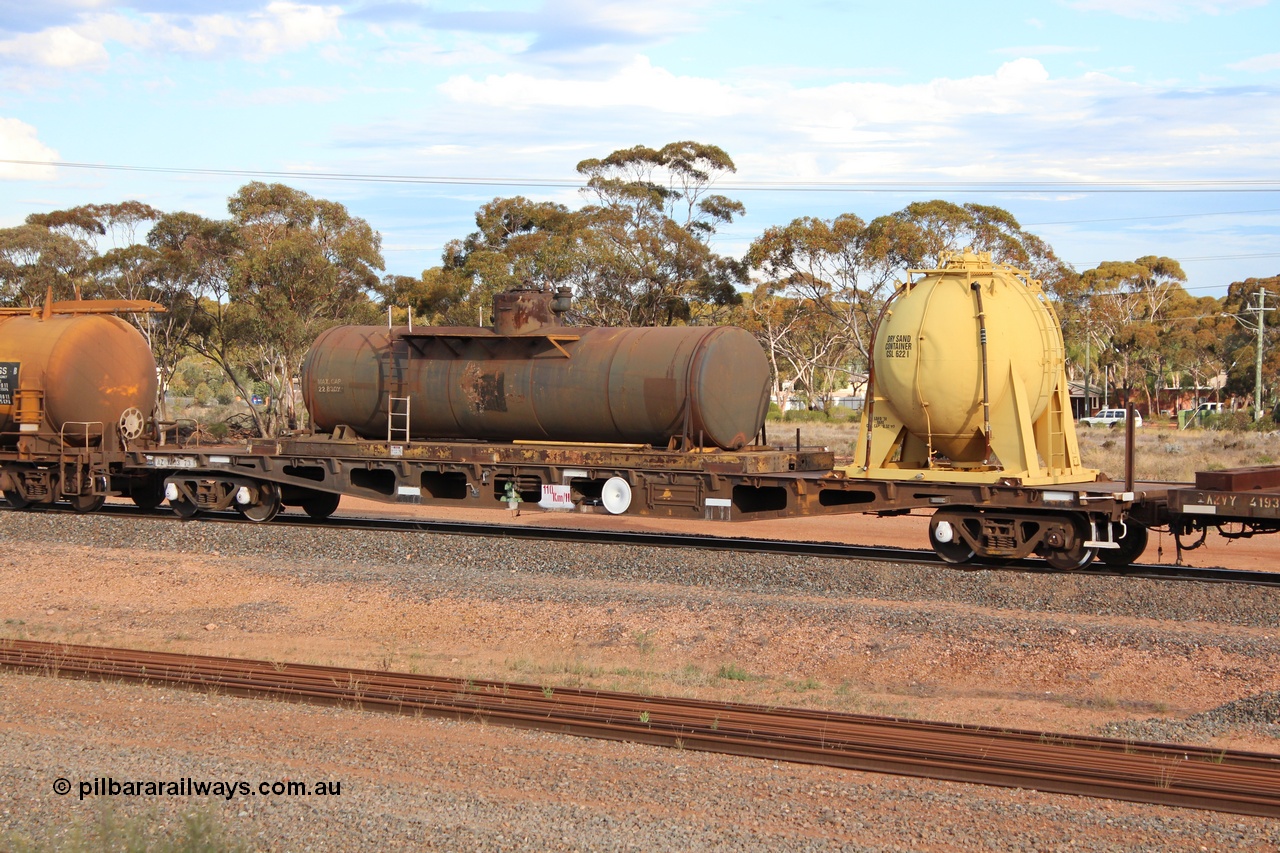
(531, 378)
(75, 368)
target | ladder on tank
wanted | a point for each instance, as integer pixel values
(397, 420)
(395, 366)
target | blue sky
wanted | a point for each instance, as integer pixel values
(1034, 107)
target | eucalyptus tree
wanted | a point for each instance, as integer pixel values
(35, 260)
(517, 242)
(1241, 340)
(191, 276)
(646, 235)
(301, 265)
(1130, 304)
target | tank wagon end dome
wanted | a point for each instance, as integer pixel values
(88, 368)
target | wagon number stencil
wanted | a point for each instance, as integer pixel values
(8, 381)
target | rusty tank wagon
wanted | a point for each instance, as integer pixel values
(529, 377)
(76, 384)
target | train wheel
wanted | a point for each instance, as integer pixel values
(1132, 544)
(1069, 561)
(944, 536)
(87, 503)
(321, 505)
(147, 493)
(183, 507)
(1075, 557)
(266, 508)
(15, 499)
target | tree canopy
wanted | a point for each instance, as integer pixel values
(252, 291)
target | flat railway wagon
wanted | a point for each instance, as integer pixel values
(1238, 503)
(965, 418)
(670, 422)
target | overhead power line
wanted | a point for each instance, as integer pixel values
(1230, 257)
(1249, 185)
(1149, 218)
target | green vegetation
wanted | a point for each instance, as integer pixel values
(199, 832)
(732, 672)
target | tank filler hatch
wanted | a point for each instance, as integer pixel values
(528, 312)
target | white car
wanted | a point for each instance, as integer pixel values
(1109, 418)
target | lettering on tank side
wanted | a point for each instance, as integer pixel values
(329, 386)
(897, 346)
(8, 381)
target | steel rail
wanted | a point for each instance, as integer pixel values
(1163, 774)
(835, 550)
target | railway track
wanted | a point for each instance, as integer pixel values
(1161, 774)
(837, 550)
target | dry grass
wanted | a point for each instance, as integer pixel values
(1162, 453)
(836, 435)
(1175, 455)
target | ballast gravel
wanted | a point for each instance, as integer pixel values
(1181, 662)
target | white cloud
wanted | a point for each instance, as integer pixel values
(279, 27)
(1266, 62)
(18, 141)
(652, 18)
(57, 47)
(640, 84)
(1206, 131)
(449, 50)
(637, 84)
(1017, 123)
(1165, 10)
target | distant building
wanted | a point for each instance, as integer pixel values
(1179, 393)
(794, 396)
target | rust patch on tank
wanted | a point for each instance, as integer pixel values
(484, 391)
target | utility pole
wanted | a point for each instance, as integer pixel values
(1261, 310)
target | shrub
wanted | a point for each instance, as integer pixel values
(805, 416)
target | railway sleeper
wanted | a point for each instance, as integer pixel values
(1067, 541)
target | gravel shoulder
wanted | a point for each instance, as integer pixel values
(1153, 660)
